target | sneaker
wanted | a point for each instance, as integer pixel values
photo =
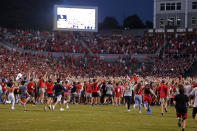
(179, 123)
(162, 114)
(129, 110)
(61, 109)
(183, 129)
(12, 108)
(140, 112)
(53, 107)
(166, 110)
(7, 102)
(67, 107)
(25, 110)
(65, 102)
(134, 107)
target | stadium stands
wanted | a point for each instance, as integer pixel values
(92, 65)
(70, 42)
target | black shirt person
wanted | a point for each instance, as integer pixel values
(180, 102)
(58, 88)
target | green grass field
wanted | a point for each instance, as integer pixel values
(87, 118)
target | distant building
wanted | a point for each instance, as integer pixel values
(175, 13)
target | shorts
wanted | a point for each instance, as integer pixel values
(23, 100)
(194, 112)
(88, 94)
(50, 95)
(95, 94)
(42, 90)
(59, 97)
(108, 95)
(182, 115)
(66, 97)
(117, 98)
(164, 99)
(32, 94)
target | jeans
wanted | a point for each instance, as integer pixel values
(138, 101)
(148, 107)
(1, 95)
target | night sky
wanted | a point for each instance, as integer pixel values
(119, 8)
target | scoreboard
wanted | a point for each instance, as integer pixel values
(75, 18)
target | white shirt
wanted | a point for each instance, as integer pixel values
(194, 92)
(128, 91)
(188, 90)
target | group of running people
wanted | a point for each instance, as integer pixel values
(52, 91)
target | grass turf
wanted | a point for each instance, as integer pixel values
(87, 118)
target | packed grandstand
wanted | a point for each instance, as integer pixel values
(78, 55)
(60, 49)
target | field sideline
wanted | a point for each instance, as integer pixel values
(87, 118)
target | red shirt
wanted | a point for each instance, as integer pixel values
(41, 83)
(194, 85)
(163, 89)
(139, 92)
(3, 84)
(66, 86)
(181, 77)
(148, 98)
(88, 88)
(78, 88)
(30, 86)
(135, 78)
(49, 87)
(118, 91)
(94, 87)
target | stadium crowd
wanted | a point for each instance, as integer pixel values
(181, 44)
(98, 43)
(45, 79)
(13, 62)
(71, 42)
(172, 66)
(43, 41)
(121, 44)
